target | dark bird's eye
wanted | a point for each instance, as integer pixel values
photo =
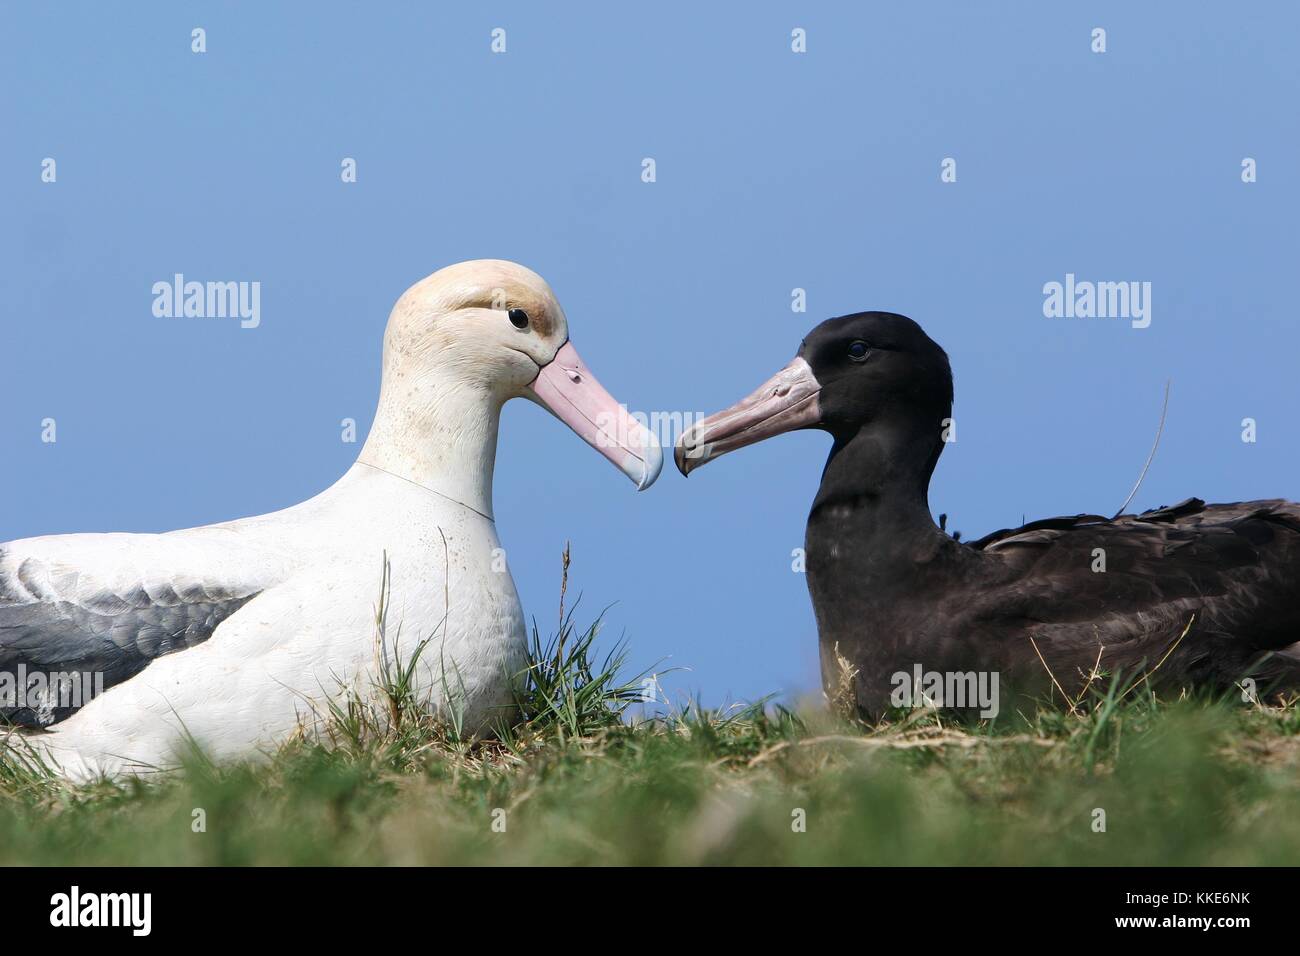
(519, 318)
(859, 350)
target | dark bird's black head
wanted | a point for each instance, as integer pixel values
(873, 365)
(869, 369)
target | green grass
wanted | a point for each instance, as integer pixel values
(578, 781)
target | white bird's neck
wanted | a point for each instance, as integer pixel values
(438, 433)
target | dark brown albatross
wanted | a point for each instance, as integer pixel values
(893, 592)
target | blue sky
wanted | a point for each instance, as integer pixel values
(775, 171)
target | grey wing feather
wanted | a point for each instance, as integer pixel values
(65, 636)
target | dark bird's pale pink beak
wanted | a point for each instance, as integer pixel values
(785, 402)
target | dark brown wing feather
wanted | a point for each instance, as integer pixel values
(1232, 571)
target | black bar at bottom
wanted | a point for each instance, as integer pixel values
(305, 905)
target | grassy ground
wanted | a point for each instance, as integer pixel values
(1182, 782)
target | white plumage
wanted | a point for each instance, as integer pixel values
(235, 634)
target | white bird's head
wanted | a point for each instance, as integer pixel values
(495, 328)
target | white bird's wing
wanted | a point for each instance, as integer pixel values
(102, 607)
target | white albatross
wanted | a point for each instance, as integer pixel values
(233, 635)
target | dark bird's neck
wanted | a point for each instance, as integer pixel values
(873, 549)
(876, 482)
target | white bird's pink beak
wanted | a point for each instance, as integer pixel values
(566, 388)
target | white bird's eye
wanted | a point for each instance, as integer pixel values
(519, 318)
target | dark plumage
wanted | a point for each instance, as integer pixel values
(891, 590)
